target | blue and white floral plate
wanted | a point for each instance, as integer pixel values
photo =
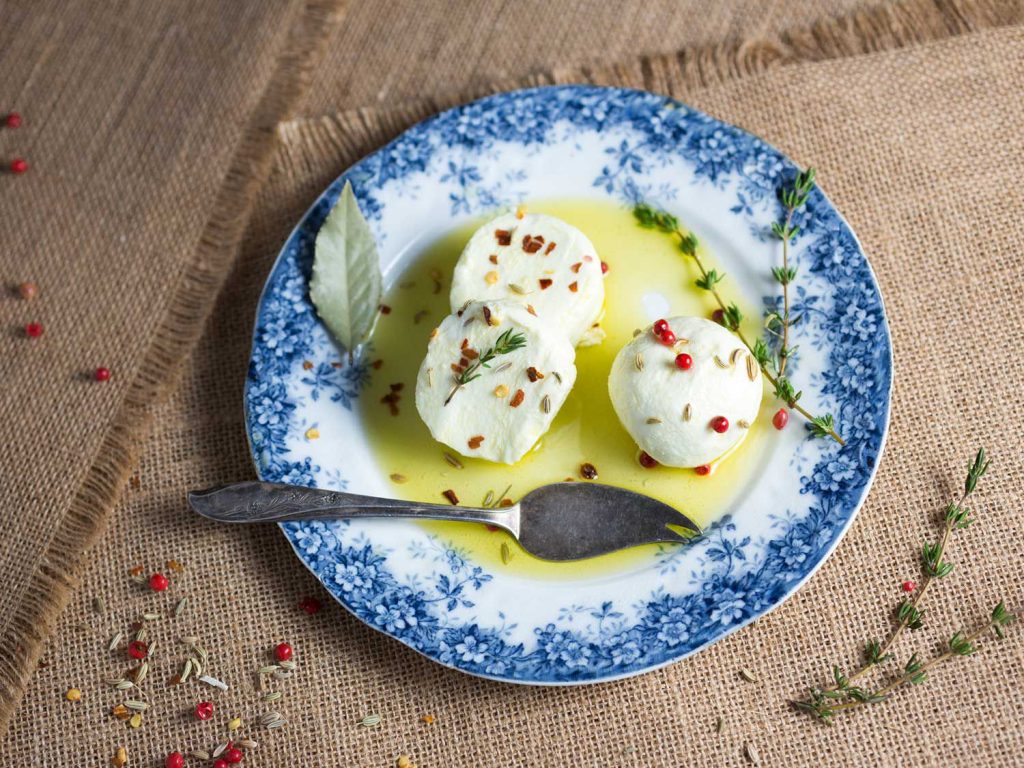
(573, 142)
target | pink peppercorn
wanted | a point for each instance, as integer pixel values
(204, 710)
(19, 165)
(780, 419)
(283, 652)
(157, 582)
(310, 605)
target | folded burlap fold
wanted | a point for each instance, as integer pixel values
(918, 146)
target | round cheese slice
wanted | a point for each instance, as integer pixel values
(540, 261)
(669, 411)
(498, 409)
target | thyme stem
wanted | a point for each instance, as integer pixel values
(912, 677)
(784, 350)
(932, 568)
(825, 702)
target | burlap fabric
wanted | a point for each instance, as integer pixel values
(920, 149)
(147, 132)
(385, 55)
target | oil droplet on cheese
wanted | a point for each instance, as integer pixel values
(646, 271)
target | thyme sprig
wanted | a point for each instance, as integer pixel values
(793, 198)
(842, 694)
(507, 342)
(772, 368)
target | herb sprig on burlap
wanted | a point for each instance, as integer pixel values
(773, 364)
(842, 694)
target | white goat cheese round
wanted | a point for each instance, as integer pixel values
(672, 413)
(540, 261)
(493, 379)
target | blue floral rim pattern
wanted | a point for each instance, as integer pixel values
(739, 577)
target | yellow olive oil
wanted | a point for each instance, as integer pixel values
(648, 277)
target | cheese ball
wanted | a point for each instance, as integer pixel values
(497, 408)
(540, 261)
(674, 409)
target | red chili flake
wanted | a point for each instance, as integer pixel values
(492, 528)
(780, 419)
(310, 605)
(13, 120)
(604, 267)
(464, 344)
(533, 374)
(550, 248)
(474, 441)
(391, 400)
(377, 364)
(138, 649)
(720, 424)
(909, 586)
(647, 461)
(487, 314)
(397, 386)
(307, 365)
(531, 310)
(505, 503)
(574, 286)
(463, 362)
(472, 354)
(450, 495)
(136, 570)
(385, 309)
(336, 364)
(533, 244)
(455, 367)
(158, 582)
(718, 316)
(545, 283)
(28, 290)
(102, 374)
(493, 258)
(204, 710)
(683, 361)
(517, 399)
(18, 165)
(588, 471)
(33, 330)
(503, 236)
(703, 469)
(283, 652)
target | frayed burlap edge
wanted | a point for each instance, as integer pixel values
(199, 283)
(905, 23)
